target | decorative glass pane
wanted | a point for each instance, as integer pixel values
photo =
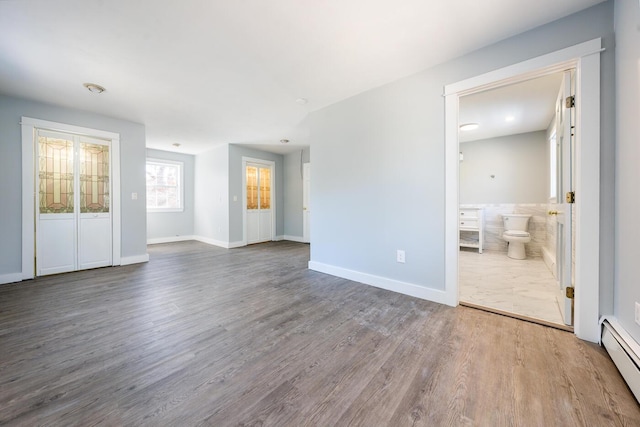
(265, 188)
(252, 187)
(55, 172)
(94, 178)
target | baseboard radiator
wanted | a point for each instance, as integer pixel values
(624, 351)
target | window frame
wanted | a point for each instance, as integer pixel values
(180, 186)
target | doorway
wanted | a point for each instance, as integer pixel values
(258, 200)
(75, 206)
(507, 177)
(585, 58)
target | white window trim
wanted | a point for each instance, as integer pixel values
(180, 184)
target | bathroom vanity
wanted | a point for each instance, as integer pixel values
(471, 220)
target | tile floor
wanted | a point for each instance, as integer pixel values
(524, 287)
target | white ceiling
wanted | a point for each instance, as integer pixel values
(205, 72)
(529, 105)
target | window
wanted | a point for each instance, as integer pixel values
(164, 186)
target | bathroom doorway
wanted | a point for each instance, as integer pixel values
(510, 142)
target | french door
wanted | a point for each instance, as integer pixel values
(73, 212)
(259, 202)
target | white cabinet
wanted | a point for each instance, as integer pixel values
(471, 220)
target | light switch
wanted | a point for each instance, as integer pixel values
(134, 196)
(235, 198)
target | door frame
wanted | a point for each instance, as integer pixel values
(29, 126)
(306, 208)
(272, 165)
(585, 58)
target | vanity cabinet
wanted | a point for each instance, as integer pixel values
(471, 220)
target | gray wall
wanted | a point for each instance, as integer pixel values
(173, 224)
(518, 163)
(627, 267)
(132, 173)
(378, 160)
(211, 213)
(293, 185)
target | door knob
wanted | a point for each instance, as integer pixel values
(553, 212)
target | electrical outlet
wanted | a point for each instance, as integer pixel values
(638, 313)
(400, 256)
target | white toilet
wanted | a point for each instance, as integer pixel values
(516, 234)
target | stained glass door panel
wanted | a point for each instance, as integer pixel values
(94, 177)
(55, 181)
(73, 230)
(94, 228)
(258, 194)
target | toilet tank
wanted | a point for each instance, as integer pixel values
(518, 222)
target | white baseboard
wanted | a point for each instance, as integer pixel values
(278, 238)
(219, 243)
(10, 278)
(405, 288)
(137, 259)
(298, 239)
(549, 260)
(171, 239)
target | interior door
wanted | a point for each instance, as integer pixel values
(73, 220)
(306, 206)
(564, 217)
(259, 203)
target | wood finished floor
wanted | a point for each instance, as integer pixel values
(207, 336)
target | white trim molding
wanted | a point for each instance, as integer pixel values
(405, 288)
(10, 278)
(219, 243)
(585, 58)
(137, 259)
(170, 239)
(298, 239)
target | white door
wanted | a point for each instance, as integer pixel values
(564, 217)
(306, 206)
(73, 218)
(259, 202)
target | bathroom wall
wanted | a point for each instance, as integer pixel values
(493, 226)
(507, 169)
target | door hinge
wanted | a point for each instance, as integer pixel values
(570, 102)
(570, 197)
(570, 292)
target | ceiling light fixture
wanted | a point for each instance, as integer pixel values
(509, 119)
(302, 101)
(284, 141)
(176, 144)
(94, 88)
(469, 126)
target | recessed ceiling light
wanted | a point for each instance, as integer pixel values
(469, 126)
(509, 119)
(302, 101)
(176, 144)
(94, 88)
(284, 141)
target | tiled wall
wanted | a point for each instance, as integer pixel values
(493, 226)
